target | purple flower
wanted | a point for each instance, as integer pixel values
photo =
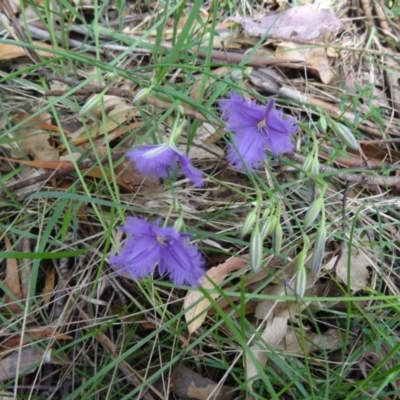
(256, 127)
(149, 243)
(158, 159)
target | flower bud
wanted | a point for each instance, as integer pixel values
(306, 167)
(236, 74)
(319, 249)
(300, 283)
(142, 94)
(256, 249)
(92, 103)
(249, 222)
(313, 212)
(345, 134)
(322, 124)
(277, 238)
(269, 226)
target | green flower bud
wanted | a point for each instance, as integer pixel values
(249, 221)
(277, 238)
(237, 74)
(93, 102)
(322, 124)
(313, 212)
(247, 71)
(269, 226)
(319, 249)
(300, 283)
(142, 94)
(256, 249)
(345, 134)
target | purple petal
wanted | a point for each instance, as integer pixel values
(191, 173)
(248, 148)
(240, 113)
(154, 159)
(138, 227)
(184, 263)
(138, 257)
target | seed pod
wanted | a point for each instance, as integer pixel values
(256, 249)
(249, 222)
(277, 238)
(237, 74)
(345, 134)
(313, 212)
(319, 248)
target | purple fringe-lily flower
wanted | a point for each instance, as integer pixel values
(256, 127)
(158, 159)
(149, 244)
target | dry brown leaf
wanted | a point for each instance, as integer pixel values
(12, 282)
(49, 285)
(188, 385)
(359, 274)
(196, 315)
(11, 51)
(314, 58)
(34, 141)
(20, 362)
(273, 334)
(303, 23)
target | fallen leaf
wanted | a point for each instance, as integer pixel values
(27, 359)
(303, 23)
(273, 334)
(314, 58)
(11, 51)
(359, 274)
(188, 385)
(34, 141)
(195, 315)
(12, 282)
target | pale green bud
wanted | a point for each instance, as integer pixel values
(249, 222)
(322, 124)
(247, 71)
(269, 226)
(93, 102)
(237, 74)
(319, 249)
(300, 283)
(345, 134)
(313, 212)
(142, 94)
(179, 223)
(256, 249)
(266, 213)
(314, 167)
(176, 133)
(277, 238)
(306, 167)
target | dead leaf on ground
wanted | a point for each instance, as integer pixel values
(188, 385)
(11, 51)
(12, 282)
(315, 59)
(303, 23)
(34, 141)
(29, 358)
(196, 315)
(359, 274)
(273, 334)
